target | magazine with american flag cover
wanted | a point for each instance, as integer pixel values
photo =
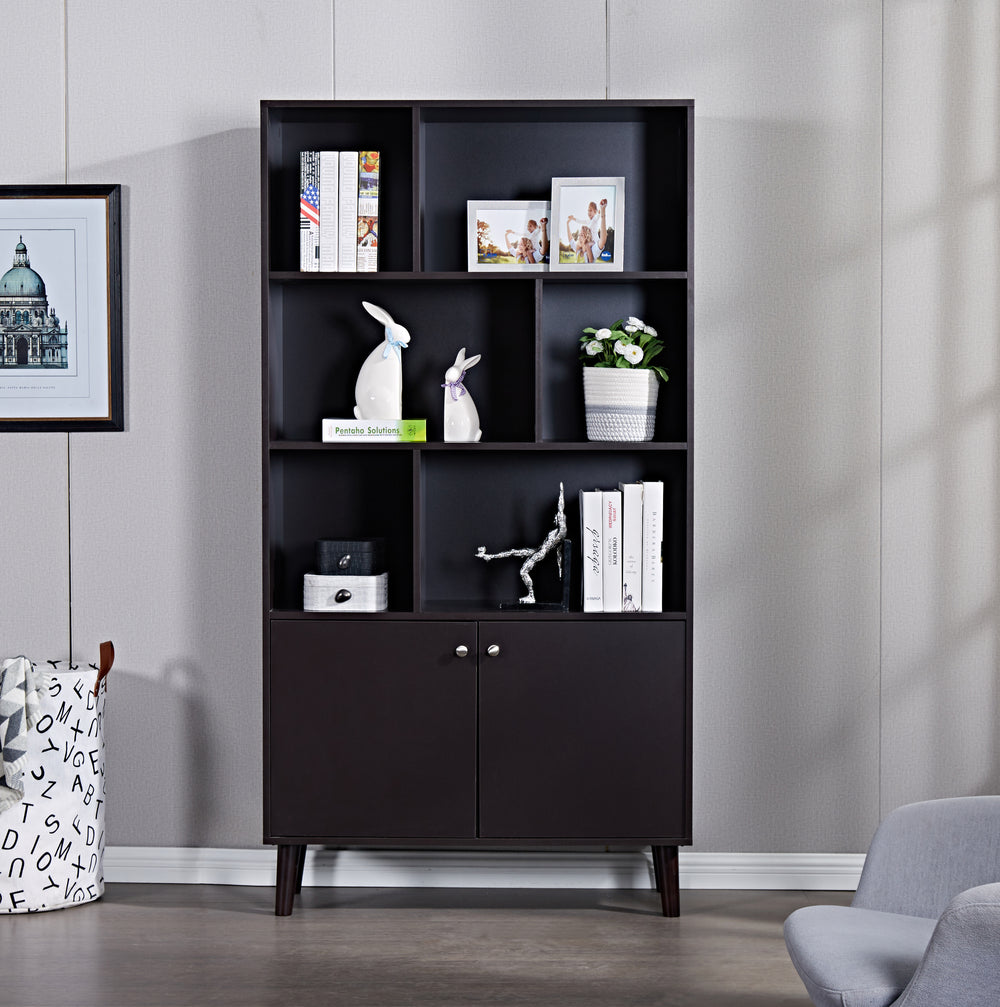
(309, 211)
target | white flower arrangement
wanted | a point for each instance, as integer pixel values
(630, 343)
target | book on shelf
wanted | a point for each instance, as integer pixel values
(339, 210)
(329, 210)
(652, 546)
(349, 211)
(368, 182)
(592, 578)
(631, 546)
(309, 195)
(611, 542)
(375, 431)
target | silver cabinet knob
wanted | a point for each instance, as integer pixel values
(461, 650)
(493, 650)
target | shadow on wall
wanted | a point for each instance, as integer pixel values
(786, 494)
(941, 479)
(178, 548)
(153, 727)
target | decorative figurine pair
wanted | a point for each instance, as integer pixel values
(379, 389)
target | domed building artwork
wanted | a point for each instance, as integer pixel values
(31, 334)
(61, 364)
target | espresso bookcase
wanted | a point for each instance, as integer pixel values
(449, 721)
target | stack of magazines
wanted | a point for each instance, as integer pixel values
(338, 211)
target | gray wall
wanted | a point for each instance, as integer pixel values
(848, 493)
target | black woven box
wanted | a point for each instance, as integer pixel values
(357, 557)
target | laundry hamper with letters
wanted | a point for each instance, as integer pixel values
(52, 787)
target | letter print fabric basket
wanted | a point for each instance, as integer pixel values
(52, 789)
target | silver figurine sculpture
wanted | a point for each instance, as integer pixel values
(535, 556)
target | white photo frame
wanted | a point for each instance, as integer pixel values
(491, 223)
(577, 204)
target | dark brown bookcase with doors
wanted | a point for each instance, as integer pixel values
(448, 721)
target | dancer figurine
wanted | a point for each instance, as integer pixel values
(535, 556)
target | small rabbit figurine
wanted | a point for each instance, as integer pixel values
(379, 389)
(461, 420)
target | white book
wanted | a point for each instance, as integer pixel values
(349, 211)
(591, 550)
(652, 547)
(329, 210)
(309, 195)
(611, 532)
(631, 546)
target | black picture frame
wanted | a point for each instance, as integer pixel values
(61, 366)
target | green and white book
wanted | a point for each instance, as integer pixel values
(375, 431)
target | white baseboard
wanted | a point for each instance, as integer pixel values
(460, 869)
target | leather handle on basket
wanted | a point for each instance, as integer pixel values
(107, 659)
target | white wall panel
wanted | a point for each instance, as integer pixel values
(167, 516)
(845, 663)
(941, 640)
(34, 547)
(455, 49)
(787, 114)
(32, 116)
(34, 519)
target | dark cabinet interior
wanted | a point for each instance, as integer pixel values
(377, 730)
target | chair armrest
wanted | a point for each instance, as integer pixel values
(961, 967)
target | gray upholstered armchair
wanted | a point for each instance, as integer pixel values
(923, 929)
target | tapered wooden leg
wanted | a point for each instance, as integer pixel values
(667, 879)
(285, 879)
(299, 868)
(657, 873)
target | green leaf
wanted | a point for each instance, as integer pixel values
(663, 374)
(590, 330)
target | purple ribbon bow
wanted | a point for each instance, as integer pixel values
(456, 384)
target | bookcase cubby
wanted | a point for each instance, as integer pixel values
(448, 721)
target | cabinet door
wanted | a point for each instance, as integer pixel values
(372, 730)
(583, 731)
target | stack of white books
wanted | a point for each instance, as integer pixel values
(622, 543)
(338, 211)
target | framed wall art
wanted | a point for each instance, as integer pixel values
(60, 308)
(508, 235)
(588, 223)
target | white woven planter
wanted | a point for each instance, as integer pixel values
(620, 403)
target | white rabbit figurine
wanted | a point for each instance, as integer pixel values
(379, 389)
(461, 419)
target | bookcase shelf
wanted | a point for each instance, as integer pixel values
(423, 737)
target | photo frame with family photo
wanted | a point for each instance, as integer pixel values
(508, 235)
(588, 224)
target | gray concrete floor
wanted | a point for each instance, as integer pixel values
(167, 945)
